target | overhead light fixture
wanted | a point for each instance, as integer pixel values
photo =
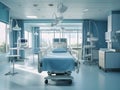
(61, 8)
(35, 5)
(50, 4)
(36, 33)
(58, 19)
(32, 17)
(16, 28)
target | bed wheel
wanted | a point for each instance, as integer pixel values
(39, 68)
(46, 81)
(99, 67)
(70, 81)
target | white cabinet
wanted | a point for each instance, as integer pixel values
(109, 60)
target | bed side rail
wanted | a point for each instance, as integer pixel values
(76, 56)
(41, 54)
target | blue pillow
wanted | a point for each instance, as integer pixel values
(59, 50)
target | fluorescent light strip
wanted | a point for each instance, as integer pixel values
(85, 10)
(32, 17)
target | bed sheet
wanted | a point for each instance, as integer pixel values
(58, 62)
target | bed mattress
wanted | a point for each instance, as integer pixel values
(58, 62)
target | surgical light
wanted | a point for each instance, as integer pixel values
(61, 8)
(17, 28)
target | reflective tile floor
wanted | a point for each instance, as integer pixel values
(90, 77)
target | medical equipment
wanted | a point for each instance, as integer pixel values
(88, 50)
(61, 8)
(19, 43)
(90, 43)
(16, 28)
(22, 42)
(59, 62)
(12, 58)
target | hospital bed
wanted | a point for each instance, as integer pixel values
(59, 62)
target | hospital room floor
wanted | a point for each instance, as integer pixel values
(90, 77)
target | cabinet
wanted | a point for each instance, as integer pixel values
(109, 59)
(87, 52)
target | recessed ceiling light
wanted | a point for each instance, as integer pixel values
(50, 4)
(33, 17)
(35, 5)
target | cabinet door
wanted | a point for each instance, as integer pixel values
(102, 59)
(112, 60)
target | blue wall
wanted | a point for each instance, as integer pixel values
(115, 27)
(97, 29)
(4, 13)
(115, 20)
(102, 28)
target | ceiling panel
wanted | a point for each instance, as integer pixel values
(97, 9)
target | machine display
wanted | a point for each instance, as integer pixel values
(22, 42)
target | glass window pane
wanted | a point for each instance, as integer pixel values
(71, 31)
(2, 37)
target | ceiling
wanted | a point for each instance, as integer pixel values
(77, 9)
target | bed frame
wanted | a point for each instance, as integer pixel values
(56, 75)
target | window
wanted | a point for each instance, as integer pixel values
(71, 31)
(4, 37)
(28, 36)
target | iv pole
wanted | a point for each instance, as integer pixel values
(13, 56)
